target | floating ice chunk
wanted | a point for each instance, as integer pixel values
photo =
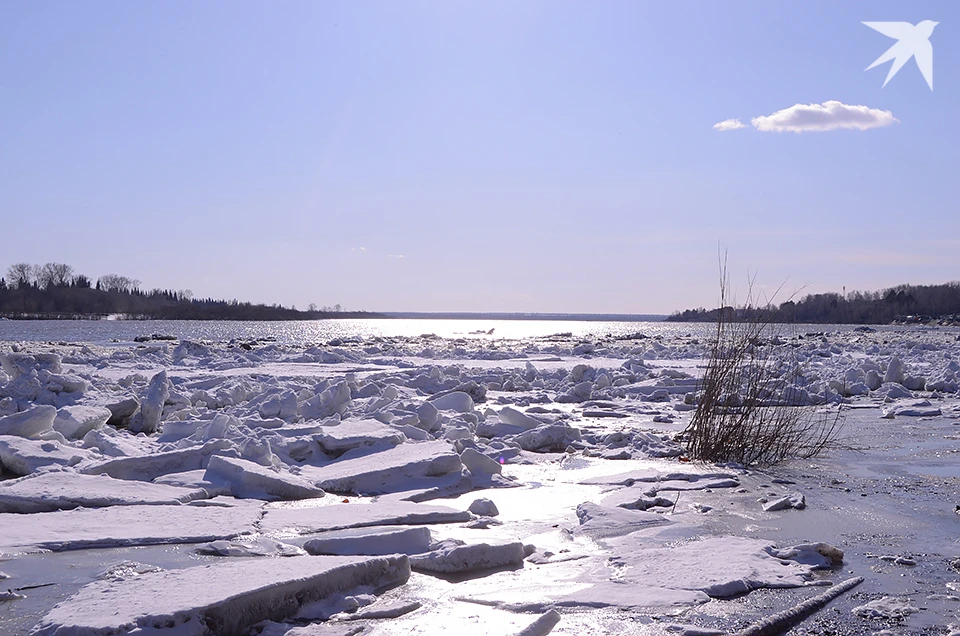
(372, 541)
(17, 364)
(194, 479)
(32, 423)
(720, 566)
(149, 467)
(65, 490)
(894, 391)
(385, 610)
(151, 407)
(113, 443)
(600, 522)
(796, 501)
(22, 456)
(469, 558)
(386, 471)
(652, 475)
(340, 516)
(914, 382)
(554, 437)
(479, 464)
(122, 412)
(885, 608)
(484, 508)
(692, 630)
(353, 433)
(334, 400)
(246, 592)
(628, 595)
(512, 416)
(260, 546)
(894, 371)
(127, 526)
(921, 408)
(249, 480)
(816, 555)
(73, 422)
(457, 401)
(428, 416)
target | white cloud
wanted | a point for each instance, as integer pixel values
(729, 124)
(830, 115)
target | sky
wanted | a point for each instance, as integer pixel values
(479, 156)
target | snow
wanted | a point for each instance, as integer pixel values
(247, 592)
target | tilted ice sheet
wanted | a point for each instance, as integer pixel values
(127, 526)
(223, 598)
(307, 520)
(65, 490)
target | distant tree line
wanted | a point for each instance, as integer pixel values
(55, 291)
(900, 304)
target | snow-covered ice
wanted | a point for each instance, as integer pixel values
(564, 443)
(246, 592)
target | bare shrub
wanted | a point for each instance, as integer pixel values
(749, 410)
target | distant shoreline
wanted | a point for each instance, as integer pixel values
(353, 315)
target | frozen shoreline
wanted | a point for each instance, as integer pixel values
(536, 425)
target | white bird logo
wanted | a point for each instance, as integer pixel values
(912, 41)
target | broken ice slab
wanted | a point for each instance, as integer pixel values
(189, 604)
(469, 558)
(600, 522)
(351, 434)
(149, 467)
(653, 475)
(356, 515)
(250, 480)
(22, 456)
(65, 490)
(390, 470)
(377, 540)
(128, 526)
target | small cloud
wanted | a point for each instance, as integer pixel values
(394, 255)
(729, 124)
(358, 249)
(830, 115)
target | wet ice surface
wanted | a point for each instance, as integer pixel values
(569, 437)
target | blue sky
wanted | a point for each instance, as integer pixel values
(483, 156)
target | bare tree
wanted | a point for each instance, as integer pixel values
(748, 409)
(54, 275)
(312, 307)
(20, 275)
(117, 283)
